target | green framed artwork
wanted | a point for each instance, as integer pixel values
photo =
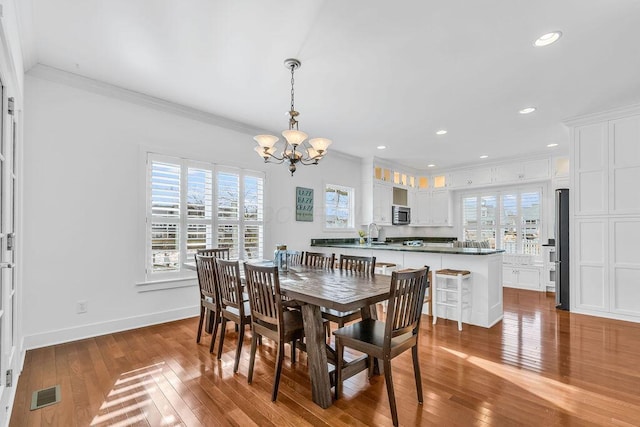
(304, 204)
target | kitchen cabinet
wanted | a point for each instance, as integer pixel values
(430, 208)
(522, 277)
(470, 178)
(382, 201)
(440, 205)
(419, 204)
(607, 158)
(531, 170)
(624, 165)
(606, 223)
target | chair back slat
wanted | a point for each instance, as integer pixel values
(222, 253)
(406, 298)
(295, 257)
(265, 300)
(319, 260)
(362, 264)
(229, 284)
(207, 277)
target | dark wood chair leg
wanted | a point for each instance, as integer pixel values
(276, 377)
(223, 330)
(216, 321)
(200, 324)
(416, 370)
(293, 351)
(252, 357)
(339, 355)
(392, 396)
(239, 349)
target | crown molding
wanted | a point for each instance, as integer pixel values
(101, 88)
(615, 113)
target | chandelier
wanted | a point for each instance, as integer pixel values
(295, 149)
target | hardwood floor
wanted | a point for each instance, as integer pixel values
(537, 367)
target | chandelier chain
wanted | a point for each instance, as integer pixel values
(292, 81)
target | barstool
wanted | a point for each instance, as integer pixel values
(441, 285)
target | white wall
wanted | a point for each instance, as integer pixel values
(83, 202)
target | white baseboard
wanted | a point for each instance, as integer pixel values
(95, 329)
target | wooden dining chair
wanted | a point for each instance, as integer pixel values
(295, 257)
(362, 264)
(269, 317)
(232, 304)
(215, 252)
(209, 297)
(357, 264)
(386, 340)
(320, 260)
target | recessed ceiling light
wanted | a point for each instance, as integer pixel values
(552, 145)
(441, 132)
(547, 39)
(381, 147)
(431, 166)
(527, 110)
(484, 156)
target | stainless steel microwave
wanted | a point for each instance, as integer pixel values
(400, 215)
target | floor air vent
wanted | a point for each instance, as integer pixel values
(45, 397)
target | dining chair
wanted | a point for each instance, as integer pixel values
(362, 264)
(388, 339)
(357, 264)
(295, 257)
(215, 252)
(320, 260)
(209, 297)
(232, 304)
(269, 317)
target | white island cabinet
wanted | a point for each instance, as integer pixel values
(485, 265)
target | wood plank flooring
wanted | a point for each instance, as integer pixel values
(537, 367)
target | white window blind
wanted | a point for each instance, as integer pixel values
(193, 205)
(339, 207)
(507, 219)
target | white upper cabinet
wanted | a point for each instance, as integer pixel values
(470, 177)
(440, 208)
(607, 172)
(419, 204)
(590, 159)
(382, 201)
(430, 208)
(530, 170)
(624, 161)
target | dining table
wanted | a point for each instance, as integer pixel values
(342, 290)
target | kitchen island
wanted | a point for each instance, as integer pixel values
(485, 265)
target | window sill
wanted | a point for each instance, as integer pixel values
(163, 284)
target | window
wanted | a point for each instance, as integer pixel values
(509, 220)
(194, 205)
(338, 205)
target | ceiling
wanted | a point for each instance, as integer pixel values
(374, 72)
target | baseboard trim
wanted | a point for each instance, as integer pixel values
(60, 336)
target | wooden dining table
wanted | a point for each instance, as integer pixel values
(335, 289)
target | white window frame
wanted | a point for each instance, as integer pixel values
(352, 194)
(183, 221)
(499, 193)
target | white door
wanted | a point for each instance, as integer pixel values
(8, 297)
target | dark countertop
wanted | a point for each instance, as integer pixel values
(400, 247)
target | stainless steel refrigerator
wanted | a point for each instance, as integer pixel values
(562, 248)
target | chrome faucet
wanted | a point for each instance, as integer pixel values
(369, 232)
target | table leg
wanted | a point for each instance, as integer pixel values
(316, 355)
